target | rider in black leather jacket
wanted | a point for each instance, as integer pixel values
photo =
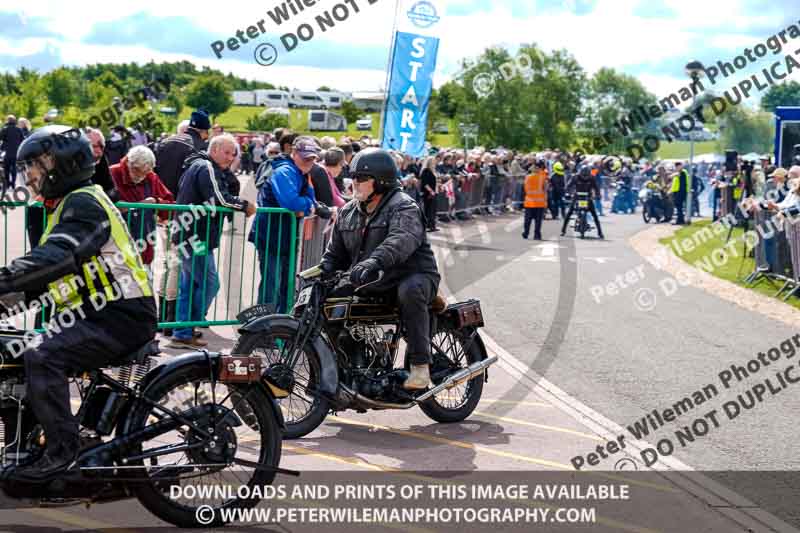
(382, 230)
(583, 182)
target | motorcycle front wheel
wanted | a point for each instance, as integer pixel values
(452, 350)
(304, 409)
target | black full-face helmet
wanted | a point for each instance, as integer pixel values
(62, 157)
(378, 164)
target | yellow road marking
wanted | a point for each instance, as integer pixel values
(357, 462)
(353, 461)
(521, 402)
(540, 426)
(458, 444)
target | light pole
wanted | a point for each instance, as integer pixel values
(695, 70)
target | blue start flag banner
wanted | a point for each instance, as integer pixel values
(413, 62)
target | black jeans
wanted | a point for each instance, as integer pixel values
(535, 214)
(87, 345)
(430, 211)
(592, 210)
(10, 170)
(556, 203)
(680, 205)
(413, 294)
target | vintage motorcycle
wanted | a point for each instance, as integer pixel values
(582, 213)
(200, 418)
(338, 353)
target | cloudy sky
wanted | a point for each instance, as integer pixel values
(649, 39)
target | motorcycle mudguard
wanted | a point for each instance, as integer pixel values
(189, 359)
(329, 378)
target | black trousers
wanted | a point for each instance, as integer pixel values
(414, 294)
(680, 205)
(535, 214)
(430, 211)
(592, 210)
(10, 170)
(87, 345)
(556, 203)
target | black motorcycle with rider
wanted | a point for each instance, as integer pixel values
(375, 287)
(141, 429)
(585, 190)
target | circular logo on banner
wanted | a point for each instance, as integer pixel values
(423, 14)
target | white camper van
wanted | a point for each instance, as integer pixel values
(332, 99)
(326, 121)
(272, 98)
(244, 98)
(309, 100)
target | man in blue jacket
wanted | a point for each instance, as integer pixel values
(203, 183)
(287, 187)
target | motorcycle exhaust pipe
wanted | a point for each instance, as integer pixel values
(466, 374)
(363, 401)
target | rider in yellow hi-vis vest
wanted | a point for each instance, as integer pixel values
(87, 262)
(535, 199)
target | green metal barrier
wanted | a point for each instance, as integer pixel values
(165, 230)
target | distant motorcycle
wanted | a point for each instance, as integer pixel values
(581, 215)
(655, 205)
(624, 199)
(338, 353)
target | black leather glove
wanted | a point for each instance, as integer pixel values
(365, 272)
(322, 211)
(327, 270)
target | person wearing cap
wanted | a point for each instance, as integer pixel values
(173, 152)
(776, 189)
(287, 186)
(171, 160)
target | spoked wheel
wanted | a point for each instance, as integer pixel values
(304, 409)
(193, 486)
(450, 352)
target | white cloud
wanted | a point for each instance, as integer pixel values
(611, 36)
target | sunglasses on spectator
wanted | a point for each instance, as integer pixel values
(361, 178)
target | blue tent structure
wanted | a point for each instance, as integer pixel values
(787, 135)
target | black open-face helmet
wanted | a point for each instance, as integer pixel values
(61, 155)
(377, 164)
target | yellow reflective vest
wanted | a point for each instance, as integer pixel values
(117, 272)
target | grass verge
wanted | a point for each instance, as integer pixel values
(710, 254)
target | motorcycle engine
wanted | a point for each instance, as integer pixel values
(371, 355)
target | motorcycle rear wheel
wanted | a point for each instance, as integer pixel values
(457, 403)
